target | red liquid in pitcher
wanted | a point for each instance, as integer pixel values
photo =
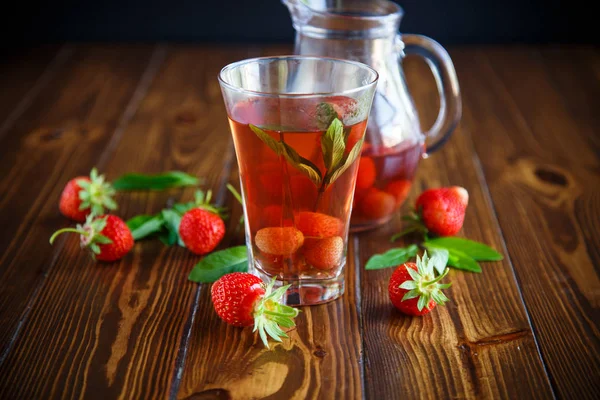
(297, 229)
(384, 180)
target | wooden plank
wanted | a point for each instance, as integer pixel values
(480, 345)
(322, 359)
(60, 135)
(541, 162)
(109, 331)
(23, 73)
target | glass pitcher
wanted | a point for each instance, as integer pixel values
(367, 31)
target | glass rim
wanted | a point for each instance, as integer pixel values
(397, 13)
(296, 95)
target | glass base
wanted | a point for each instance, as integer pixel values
(308, 292)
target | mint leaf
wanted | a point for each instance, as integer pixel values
(266, 138)
(332, 144)
(477, 251)
(302, 164)
(143, 226)
(392, 257)
(172, 220)
(219, 263)
(457, 258)
(182, 208)
(325, 115)
(155, 182)
(462, 261)
(352, 156)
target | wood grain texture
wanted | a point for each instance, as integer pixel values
(539, 152)
(120, 325)
(480, 345)
(322, 359)
(60, 135)
(527, 150)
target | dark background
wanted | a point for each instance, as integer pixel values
(235, 21)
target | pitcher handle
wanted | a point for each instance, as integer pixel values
(447, 84)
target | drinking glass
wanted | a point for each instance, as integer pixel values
(298, 126)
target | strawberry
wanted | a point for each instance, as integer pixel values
(318, 224)
(279, 241)
(108, 237)
(202, 227)
(377, 204)
(84, 195)
(399, 189)
(366, 173)
(241, 299)
(414, 289)
(441, 211)
(324, 254)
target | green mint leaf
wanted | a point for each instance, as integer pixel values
(392, 258)
(333, 145)
(143, 226)
(475, 250)
(182, 208)
(352, 156)
(325, 115)
(457, 258)
(155, 182)
(439, 259)
(219, 263)
(167, 238)
(302, 164)
(267, 139)
(172, 220)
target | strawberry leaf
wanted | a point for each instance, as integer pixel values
(219, 263)
(392, 257)
(475, 250)
(439, 259)
(155, 182)
(332, 144)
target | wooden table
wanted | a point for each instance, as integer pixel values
(527, 150)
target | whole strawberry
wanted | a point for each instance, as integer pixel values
(439, 211)
(324, 254)
(202, 227)
(318, 224)
(241, 299)
(414, 289)
(84, 195)
(107, 237)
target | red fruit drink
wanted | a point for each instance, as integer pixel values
(383, 182)
(297, 221)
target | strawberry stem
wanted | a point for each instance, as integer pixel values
(58, 232)
(439, 278)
